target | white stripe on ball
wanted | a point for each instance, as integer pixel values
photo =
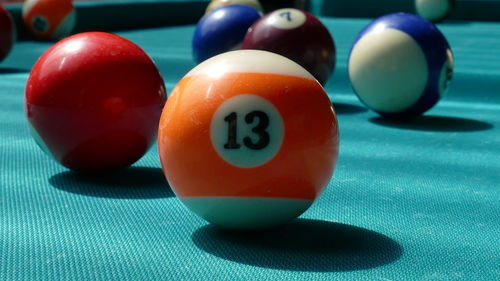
(249, 61)
(388, 70)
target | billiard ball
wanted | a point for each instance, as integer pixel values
(248, 139)
(434, 10)
(49, 19)
(297, 35)
(222, 30)
(220, 3)
(400, 65)
(93, 102)
(7, 33)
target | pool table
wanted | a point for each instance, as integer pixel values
(414, 200)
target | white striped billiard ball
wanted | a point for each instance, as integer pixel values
(400, 65)
(214, 4)
(434, 10)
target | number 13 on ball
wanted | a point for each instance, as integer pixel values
(248, 139)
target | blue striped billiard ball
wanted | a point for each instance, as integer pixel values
(222, 30)
(400, 65)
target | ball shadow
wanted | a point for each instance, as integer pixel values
(9, 70)
(303, 245)
(434, 123)
(344, 108)
(130, 183)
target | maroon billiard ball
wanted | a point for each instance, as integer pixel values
(297, 35)
(7, 33)
(93, 102)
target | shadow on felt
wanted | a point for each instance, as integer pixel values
(303, 245)
(434, 123)
(10, 70)
(129, 183)
(344, 108)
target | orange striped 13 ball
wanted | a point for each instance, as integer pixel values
(248, 139)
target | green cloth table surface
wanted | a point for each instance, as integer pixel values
(408, 201)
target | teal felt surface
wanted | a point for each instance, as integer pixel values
(408, 201)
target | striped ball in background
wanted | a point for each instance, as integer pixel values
(434, 10)
(49, 19)
(214, 4)
(400, 65)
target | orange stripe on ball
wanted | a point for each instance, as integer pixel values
(301, 169)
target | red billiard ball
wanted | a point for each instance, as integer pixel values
(93, 102)
(248, 139)
(297, 35)
(7, 33)
(49, 19)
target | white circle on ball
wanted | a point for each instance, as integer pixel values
(432, 9)
(247, 131)
(40, 23)
(388, 70)
(286, 18)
